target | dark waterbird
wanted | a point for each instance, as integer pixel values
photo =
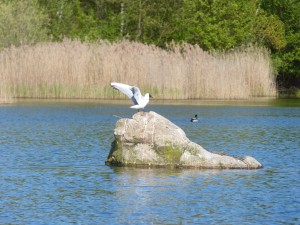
(195, 118)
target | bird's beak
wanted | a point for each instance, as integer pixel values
(150, 96)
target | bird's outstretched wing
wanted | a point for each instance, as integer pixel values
(132, 92)
(124, 88)
(137, 96)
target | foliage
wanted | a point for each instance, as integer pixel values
(214, 25)
(21, 22)
(66, 19)
(269, 31)
(287, 59)
(217, 24)
(154, 21)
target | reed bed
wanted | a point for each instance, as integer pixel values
(71, 69)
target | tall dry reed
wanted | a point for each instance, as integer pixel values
(72, 69)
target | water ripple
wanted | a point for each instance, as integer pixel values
(52, 168)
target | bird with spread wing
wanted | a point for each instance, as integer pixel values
(134, 93)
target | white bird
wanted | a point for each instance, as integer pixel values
(134, 94)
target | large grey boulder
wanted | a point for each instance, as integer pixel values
(149, 139)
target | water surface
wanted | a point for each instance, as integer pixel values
(52, 167)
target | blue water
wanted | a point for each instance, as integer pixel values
(52, 167)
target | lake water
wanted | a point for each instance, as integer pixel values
(52, 166)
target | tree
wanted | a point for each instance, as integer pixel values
(219, 24)
(22, 22)
(269, 31)
(287, 59)
(85, 20)
(160, 20)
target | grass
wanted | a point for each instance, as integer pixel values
(298, 93)
(72, 69)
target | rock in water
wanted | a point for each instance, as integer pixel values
(149, 139)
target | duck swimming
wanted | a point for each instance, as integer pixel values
(195, 118)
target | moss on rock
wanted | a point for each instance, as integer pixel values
(148, 139)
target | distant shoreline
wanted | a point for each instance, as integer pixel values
(258, 101)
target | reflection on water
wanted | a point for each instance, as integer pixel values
(52, 167)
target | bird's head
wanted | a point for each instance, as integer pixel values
(148, 94)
